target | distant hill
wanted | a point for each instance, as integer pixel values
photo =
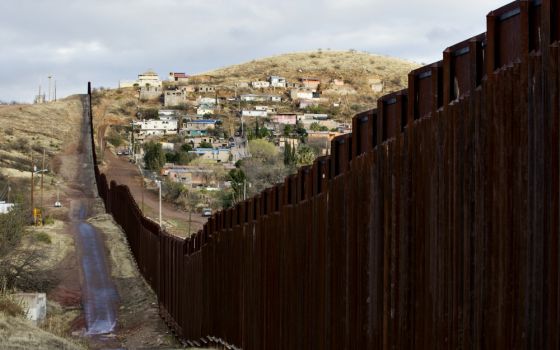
(358, 70)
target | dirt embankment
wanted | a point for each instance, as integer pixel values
(138, 323)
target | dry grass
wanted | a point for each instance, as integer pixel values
(27, 130)
(358, 70)
(18, 333)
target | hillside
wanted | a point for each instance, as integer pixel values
(358, 70)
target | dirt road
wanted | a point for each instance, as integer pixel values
(110, 305)
(175, 219)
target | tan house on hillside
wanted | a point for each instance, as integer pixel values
(311, 83)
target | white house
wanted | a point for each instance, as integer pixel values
(298, 94)
(204, 109)
(253, 98)
(261, 98)
(209, 101)
(219, 155)
(276, 81)
(149, 78)
(260, 84)
(166, 112)
(156, 127)
(254, 113)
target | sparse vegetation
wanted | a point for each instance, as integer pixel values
(115, 138)
(20, 264)
(43, 238)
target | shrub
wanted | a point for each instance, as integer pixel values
(115, 138)
(21, 144)
(43, 237)
(49, 220)
(9, 306)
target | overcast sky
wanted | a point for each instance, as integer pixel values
(110, 40)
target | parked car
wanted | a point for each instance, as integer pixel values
(206, 212)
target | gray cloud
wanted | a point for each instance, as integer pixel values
(108, 40)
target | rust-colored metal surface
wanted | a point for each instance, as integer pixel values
(434, 225)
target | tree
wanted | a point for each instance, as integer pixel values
(205, 144)
(263, 150)
(265, 167)
(20, 264)
(288, 130)
(237, 178)
(315, 126)
(305, 155)
(150, 113)
(185, 158)
(154, 157)
(289, 155)
(186, 147)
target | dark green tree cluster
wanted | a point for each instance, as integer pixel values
(149, 113)
(259, 132)
(205, 144)
(154, 156)
(318, 127)
(289, 155)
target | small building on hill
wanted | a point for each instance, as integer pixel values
(218, 155)
(150, 93)
(202, 124)
(149, 78)
(276, 81)
(205, 89)
(174, 98)
(310, 83)
(156, 127)
(260, 84)
(178, 77)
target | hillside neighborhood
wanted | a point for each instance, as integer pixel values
(202, 139)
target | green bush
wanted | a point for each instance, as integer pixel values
(49, 220)
(43, 237)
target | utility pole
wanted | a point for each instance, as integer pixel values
(50, 77)
(32, 185)
(42, 173)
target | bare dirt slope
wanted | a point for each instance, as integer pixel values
(138, 324)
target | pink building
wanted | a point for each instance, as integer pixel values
(286, 118)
